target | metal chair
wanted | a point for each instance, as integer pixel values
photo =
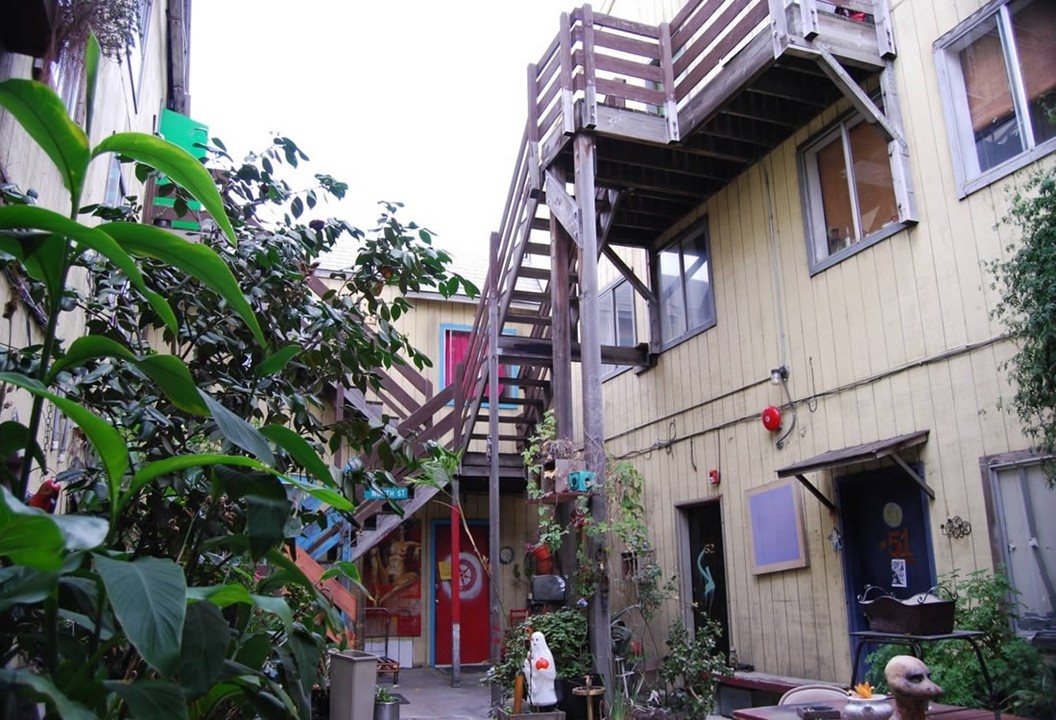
(815, 692)
(378, 624)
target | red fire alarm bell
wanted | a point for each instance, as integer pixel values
(771, 418)
(713, 477)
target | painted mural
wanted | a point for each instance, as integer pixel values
(393, 576)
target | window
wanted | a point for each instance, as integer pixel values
(1023, 507)
(998, 73)
(456, 345)
(616, 313)
(683, 272)
(849, 191)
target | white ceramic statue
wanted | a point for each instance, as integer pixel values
(540, 673)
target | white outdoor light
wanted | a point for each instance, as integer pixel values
(778, 375)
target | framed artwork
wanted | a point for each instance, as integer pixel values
(775, 517)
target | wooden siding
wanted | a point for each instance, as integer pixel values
(894, 339)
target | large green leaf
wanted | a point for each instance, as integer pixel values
(107, 442)
(45, 263)
(67, 709)
(151, 699)
(21, 585)
(82, 532)
(265, 523)
(199, 261)
(92, 53)
(299, 449)
(179, 165)
(154, 470)
(149, 598)
(239, 432)
(331, 497)
(38, 218)
(276, 361)
(28, 536)
(42, 114)
(13, 436)
(170, 372)
(231, 594)
(206, 636)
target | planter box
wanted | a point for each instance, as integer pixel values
(551, 715)
(353, 674)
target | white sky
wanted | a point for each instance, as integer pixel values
(417, 101)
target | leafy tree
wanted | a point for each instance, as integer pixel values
(1027, 281)
(148, 599)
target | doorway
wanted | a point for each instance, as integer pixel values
(474, 593)
(704, 568)
(886, 537)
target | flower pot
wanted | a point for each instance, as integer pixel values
(387, 710)
(544, 560)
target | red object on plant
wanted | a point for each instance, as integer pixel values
(542, 664)
(46, 497)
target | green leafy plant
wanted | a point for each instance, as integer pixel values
(165, 591)
(984, 601)
(1026, 282)
(566, 636)
(691, 666)
(383, 696)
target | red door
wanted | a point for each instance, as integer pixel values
(473, 586)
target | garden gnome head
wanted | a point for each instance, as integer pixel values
(909, 680)
(540, 672)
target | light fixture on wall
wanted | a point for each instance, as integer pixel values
(779, 375)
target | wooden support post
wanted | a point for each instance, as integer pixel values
(667, 69)
(590, 79)
(456, 591)
(568, 120)
(593, 416)
(494, 499)
(808, 14)
(778, 27)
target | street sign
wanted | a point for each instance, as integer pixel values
(389, 493)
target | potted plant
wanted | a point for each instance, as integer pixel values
(386, 706)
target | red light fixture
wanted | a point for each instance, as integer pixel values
(771, 418)
(713, 477)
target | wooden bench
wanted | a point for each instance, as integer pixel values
(745, 689)
(378, 624)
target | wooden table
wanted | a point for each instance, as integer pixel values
(936, 712)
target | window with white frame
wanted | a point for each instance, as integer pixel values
(616, 315)
(1024, 506)
(683, 278)
(998, 75)
(849, 190)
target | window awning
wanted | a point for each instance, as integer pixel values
(854, 455)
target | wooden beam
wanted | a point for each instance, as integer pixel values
(862, 102)
(562, 206)
(816, 493)
(629, 274)
(541, 350)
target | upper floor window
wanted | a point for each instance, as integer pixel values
(616, 313)
(849, 191)
(457, 342)
(683, 272)
(998, 75)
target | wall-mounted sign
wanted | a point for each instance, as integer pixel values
(389, 493)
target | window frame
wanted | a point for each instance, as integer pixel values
(955, 103)
(514, 391)
(698, 230)
(813, 205)
(608, 295)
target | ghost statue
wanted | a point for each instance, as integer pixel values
(540, 673)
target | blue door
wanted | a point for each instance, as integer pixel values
(886, 537)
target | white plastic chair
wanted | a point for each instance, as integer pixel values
(816, 692)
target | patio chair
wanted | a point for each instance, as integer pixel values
(815, 692)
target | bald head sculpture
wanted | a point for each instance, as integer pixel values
(911, 686)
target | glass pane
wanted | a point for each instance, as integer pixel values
(872, 178)
(625, 334)
(835, 196)
(995, 126)
(698, 281)
(672, 306)
(606, 321)
(1034, 28)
